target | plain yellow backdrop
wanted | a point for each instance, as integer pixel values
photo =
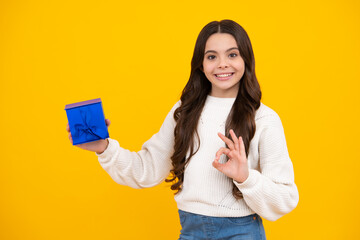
(135, 56)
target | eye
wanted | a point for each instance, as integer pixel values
(210, 57)
(232, 55)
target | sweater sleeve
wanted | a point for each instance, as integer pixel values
(146, 168)
(272, 192)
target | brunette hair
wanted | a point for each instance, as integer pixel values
(242, 115)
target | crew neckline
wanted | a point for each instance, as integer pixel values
(233, 98)
(219, 100)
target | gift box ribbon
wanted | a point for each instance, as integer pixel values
(91, 131)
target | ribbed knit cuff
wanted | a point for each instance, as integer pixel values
(250, 181)
(109, 151)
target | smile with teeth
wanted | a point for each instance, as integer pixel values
(224, 75)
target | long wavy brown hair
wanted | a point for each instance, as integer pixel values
(242, 115)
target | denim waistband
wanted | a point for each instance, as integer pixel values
(196, 226)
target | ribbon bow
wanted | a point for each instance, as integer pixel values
(91, 131)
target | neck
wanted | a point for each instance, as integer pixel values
(224, 94)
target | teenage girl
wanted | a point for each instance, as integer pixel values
(226, 150)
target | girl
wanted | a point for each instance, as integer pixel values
(225, 149)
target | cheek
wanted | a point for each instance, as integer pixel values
(240, 66)
(208, 69)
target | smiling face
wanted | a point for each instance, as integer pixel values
(223, 65)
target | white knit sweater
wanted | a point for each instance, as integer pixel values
(269, 190)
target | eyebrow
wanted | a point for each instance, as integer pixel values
(213, 51)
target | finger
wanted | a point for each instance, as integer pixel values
(68, 127)
(222, 151)
(217, 165)
(228, 142)
(242, 146)
(107, 122)
(70, 138)
(235, 139)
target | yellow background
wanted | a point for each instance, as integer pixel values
(135, 56)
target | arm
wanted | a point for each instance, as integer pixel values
(146, 168)
(271, 192)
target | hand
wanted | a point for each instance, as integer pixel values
(236, 167)
(98, 146)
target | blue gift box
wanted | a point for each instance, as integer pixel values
(86, 121)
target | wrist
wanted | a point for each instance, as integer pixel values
(104, 146)
(242, 179)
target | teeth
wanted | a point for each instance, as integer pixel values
(224, 75)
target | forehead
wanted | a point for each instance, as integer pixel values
(220, 42)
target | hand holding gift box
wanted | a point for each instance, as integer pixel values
(87, 126)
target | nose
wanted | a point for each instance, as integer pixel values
(223, 63)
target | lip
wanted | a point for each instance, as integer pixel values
(224, 78)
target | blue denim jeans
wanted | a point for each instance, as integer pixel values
(200, 227)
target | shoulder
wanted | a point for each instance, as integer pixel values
(170, 114)
(176, 105)
(266, 116)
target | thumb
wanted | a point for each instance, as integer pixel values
(107, 122)
(218, 166)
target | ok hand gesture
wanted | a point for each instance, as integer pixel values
(236, 167)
